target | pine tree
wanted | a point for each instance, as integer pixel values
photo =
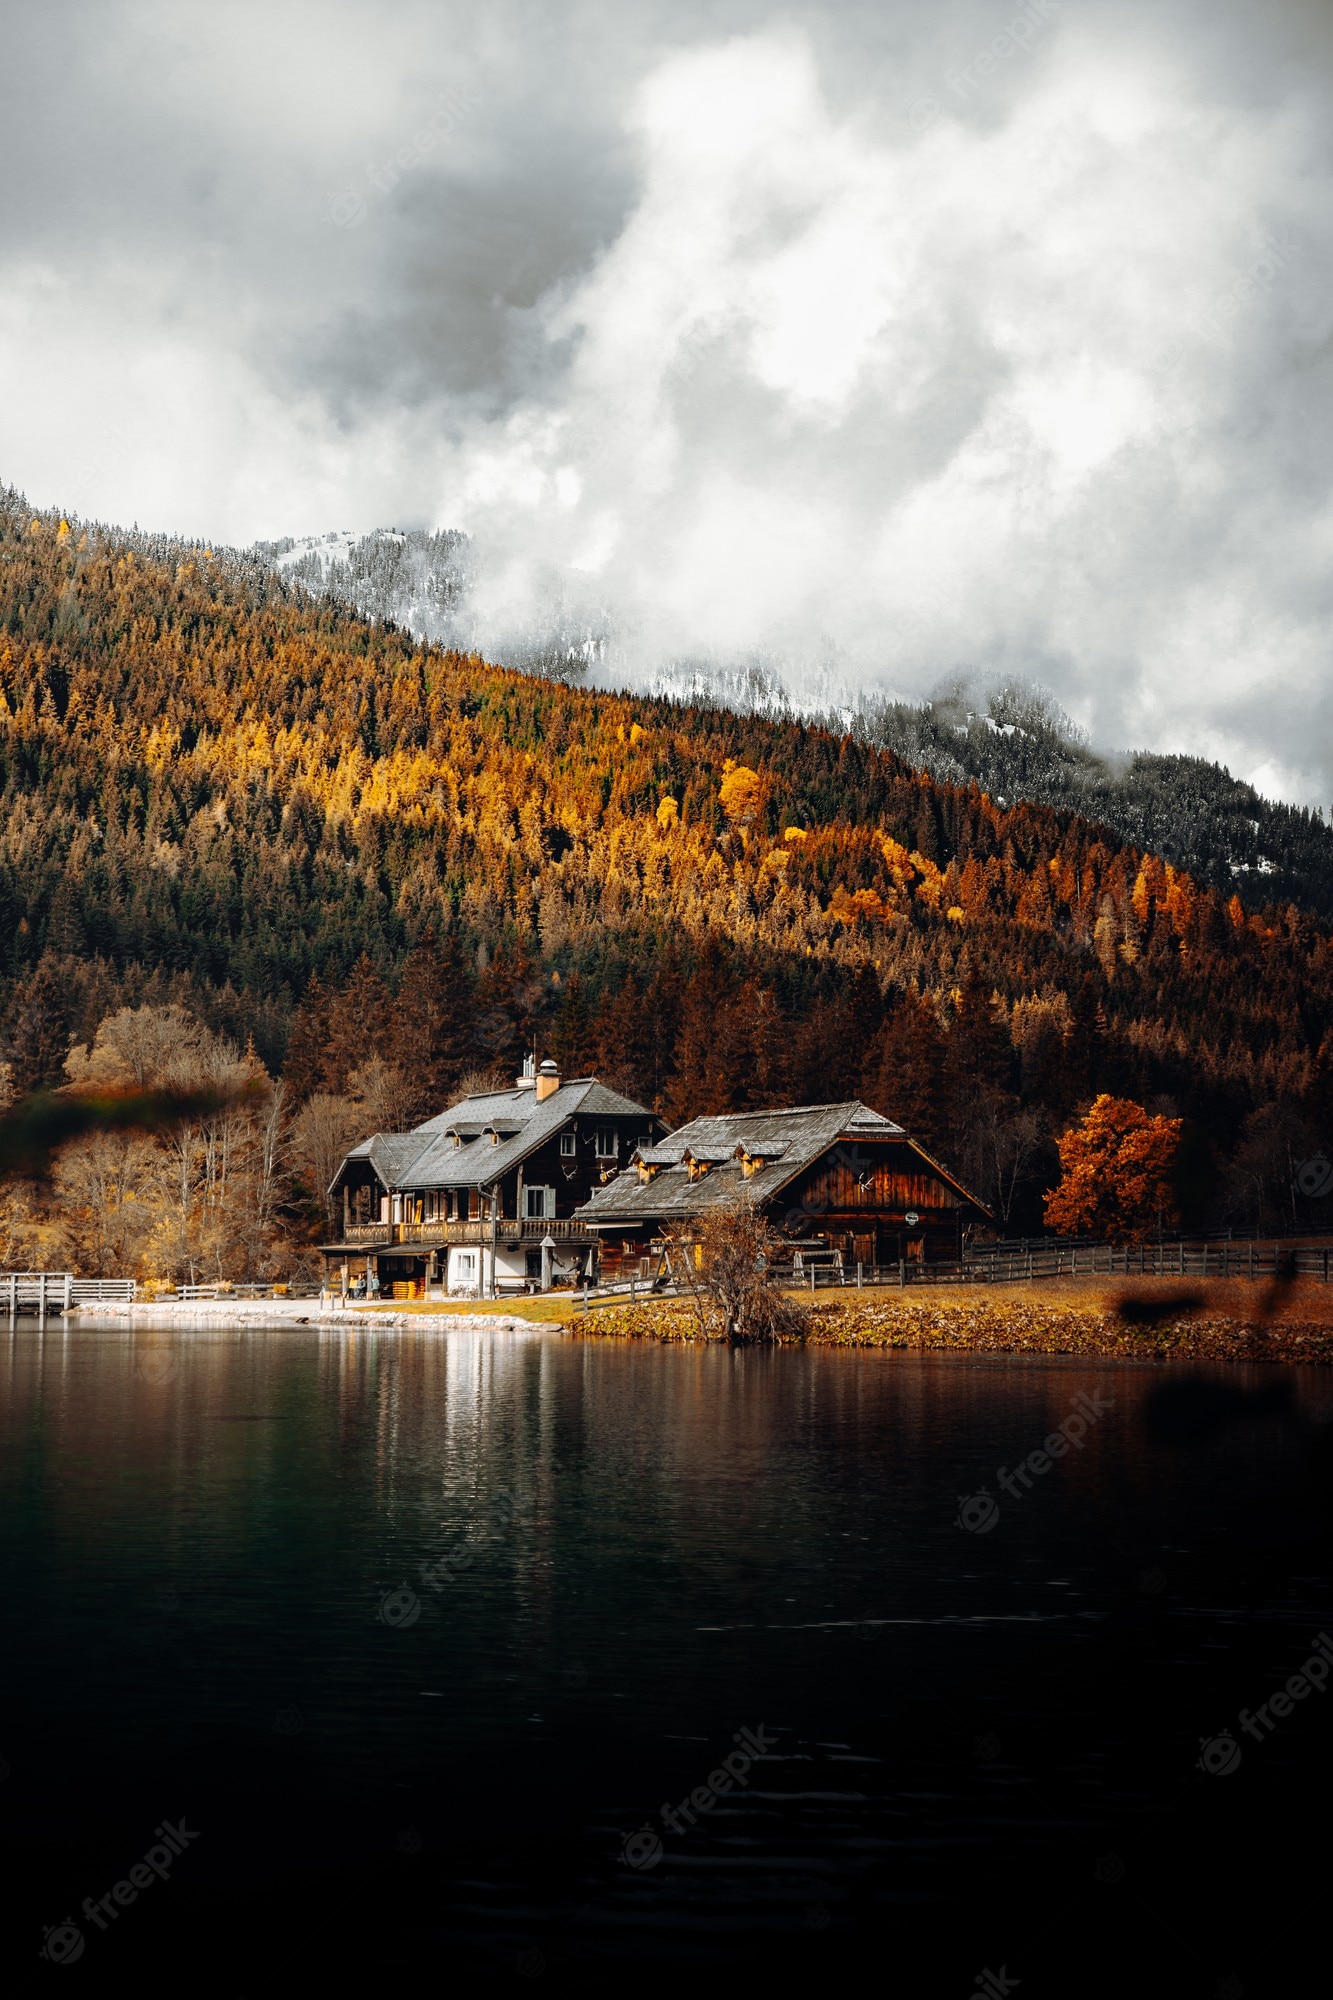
(903, 1075)
(39, 1030)
(307, 1045)
(360, 1024)
(431, 1040)
(572, 1037)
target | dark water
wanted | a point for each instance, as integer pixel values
(419, 1635)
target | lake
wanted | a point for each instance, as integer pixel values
(536, 1661)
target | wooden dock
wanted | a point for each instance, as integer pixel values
(44, 1292)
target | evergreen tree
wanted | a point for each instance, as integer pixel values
(431, 1041)
(307, 1045)
(39, 1037)
(360, 1024)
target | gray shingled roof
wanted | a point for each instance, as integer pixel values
(802, 1135)
(428, 1157)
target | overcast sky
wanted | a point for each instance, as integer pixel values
(878, 340)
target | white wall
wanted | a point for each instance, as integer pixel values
(475, 1275)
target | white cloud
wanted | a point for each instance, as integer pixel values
(965, 396)
(772, 345)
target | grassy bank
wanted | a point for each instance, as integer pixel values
(1232, 1321)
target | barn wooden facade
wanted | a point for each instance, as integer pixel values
(841, 1183)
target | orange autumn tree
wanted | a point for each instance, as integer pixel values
(1115, 1173)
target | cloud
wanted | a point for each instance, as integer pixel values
(892, 340)
(1020, 394)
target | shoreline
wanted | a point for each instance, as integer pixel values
(274, 1314)
(1231, 1320)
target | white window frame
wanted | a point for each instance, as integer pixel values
(545, 1210)
(607, 1145)
(569, 1144)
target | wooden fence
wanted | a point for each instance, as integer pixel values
(43, 1292)
(1029, 1263)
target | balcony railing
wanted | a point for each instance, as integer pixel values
(437, 1234)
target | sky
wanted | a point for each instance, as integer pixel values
(874, 342)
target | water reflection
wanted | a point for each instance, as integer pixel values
(510, 1593)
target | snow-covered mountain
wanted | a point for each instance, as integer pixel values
(425, 583)
(415, 580)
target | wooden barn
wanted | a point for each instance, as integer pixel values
(840, 1182)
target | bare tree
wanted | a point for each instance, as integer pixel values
(724, 1263)
(382, 1094)
(323, 1131)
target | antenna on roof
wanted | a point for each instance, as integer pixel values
(528, 1080)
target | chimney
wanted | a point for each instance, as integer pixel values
(548, 1080)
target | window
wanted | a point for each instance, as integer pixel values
(606, 1145)
(538, 1203)
(568, 1145)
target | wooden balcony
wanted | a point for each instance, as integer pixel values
(507, 1230)
(437, 1235)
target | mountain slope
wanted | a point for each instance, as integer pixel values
(1013, 741)
(1010, 738)
(314, 829)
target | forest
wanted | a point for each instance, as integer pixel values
(247, 833)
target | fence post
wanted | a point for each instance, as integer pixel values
(902, 1273)
(858, 1270)
(812, 1275)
